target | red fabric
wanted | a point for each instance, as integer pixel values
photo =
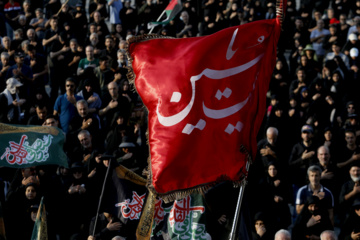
(172, 4)
(162, 66)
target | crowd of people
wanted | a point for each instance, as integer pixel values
(65, 65)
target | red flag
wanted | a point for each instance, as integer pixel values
(206, 98)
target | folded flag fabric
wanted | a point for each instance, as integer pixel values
(206, 98)
(40, 226)
(26, 146)
(171, 10)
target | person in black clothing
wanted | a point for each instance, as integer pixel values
(312, 221)
(275, 192)
(39, 117)
(114, 104)
(107, 227)
(351, 228)
(302, 156)
(83, 121)
(262, 228)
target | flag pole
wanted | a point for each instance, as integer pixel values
(238, 205)
(157, 21)
(101, 196)
(280, 14)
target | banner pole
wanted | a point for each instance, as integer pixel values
(157, 21)
(101, 196)
(238, 205)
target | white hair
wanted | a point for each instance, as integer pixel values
(330, 235)
(282, 233)
(272, 130)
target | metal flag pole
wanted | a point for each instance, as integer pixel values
(101, 196)
(238, 205)
(280, 14)
(158, 20)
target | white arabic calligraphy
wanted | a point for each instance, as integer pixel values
(211, 113)
(212, 74)
(223, 113)
(230, 53)
(226, 93)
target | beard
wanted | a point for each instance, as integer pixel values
(354, 178)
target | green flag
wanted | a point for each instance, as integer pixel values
(171, 11)
(26, 146)
(40, 226)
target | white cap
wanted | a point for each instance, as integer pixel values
(11, 85)
(353, 36)
(354, 52)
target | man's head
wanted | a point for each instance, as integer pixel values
(355, 173)
(320, 24)
(39, 13)
(82, 108)
(6, 41)
(328, 235)
(5, 58)
(30, 33)
(19, 58)
(51, 121)
(336, 48)
(109, 42)
(350, 107)
(41, 111)
(113, 89)
(300, 73)
(122, 44)
(282, 234)
(89, 51)
(271, 135)
(84, 137)
(103, 62)
(54, 22)
(350, 137)
(314, 175)
(27, 172)
(73, 44)
(97, 17)
(184, 16)
(307, 133)
(70, 85)
(323, 154)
